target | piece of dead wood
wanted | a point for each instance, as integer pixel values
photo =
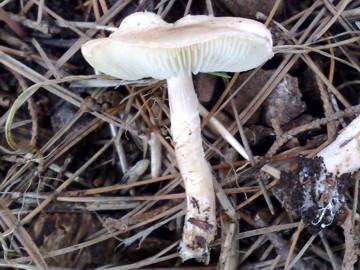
(351, 248)
(229, 249)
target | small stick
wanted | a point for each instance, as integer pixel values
(315, 124)
(328, 109)
(293, 244)
(330, 253)
(188, 6)
(40, 11)
(209, 7)
(11, 23)
(45, 58)
(251, 158)
(123, 164)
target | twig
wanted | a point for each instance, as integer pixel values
(331, 126)
(167, 9)
(229, 255)
(188, 6)
(124, 223)
(251, 158)
(351, 249)
(356, 198)
(209, 7)
(315, 124)
(270, 229)
(123, 164)
(45, 58)
(301, 252)
(224, 201)
(40, 11)
(11, 23)
(334, 261)
(256, 195)
(335, 105)
(293, 244)
(273, 11)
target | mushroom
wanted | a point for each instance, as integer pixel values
(146, 46)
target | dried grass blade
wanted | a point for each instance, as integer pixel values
(24, 96)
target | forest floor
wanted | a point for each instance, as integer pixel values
(78, 184)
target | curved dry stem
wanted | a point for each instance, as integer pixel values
(24, 96)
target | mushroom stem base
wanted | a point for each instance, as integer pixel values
(200, 220)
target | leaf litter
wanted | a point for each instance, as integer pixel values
(51, 173)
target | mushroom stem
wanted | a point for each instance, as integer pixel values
(200, 220)
(343, 155)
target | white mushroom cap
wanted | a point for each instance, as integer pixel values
(147, 46)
